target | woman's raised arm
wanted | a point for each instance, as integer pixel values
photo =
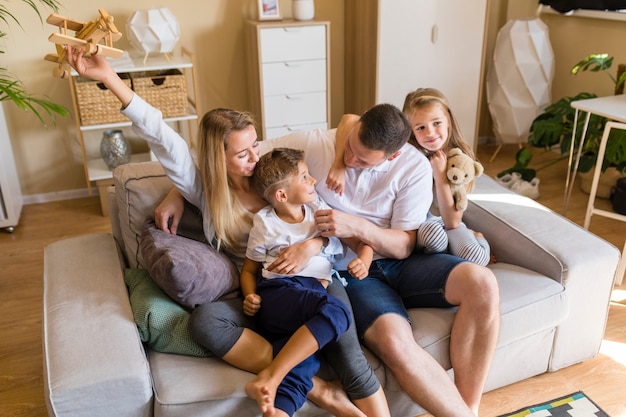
(97, 68)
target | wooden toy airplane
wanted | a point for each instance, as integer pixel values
(88, 36)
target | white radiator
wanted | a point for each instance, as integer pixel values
(10, 192)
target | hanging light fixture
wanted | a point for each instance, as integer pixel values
(153, 31)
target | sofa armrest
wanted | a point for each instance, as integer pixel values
(94, 362)
(525, 233)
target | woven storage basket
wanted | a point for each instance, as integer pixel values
(165, 90)
(96, 104)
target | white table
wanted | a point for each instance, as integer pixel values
(613, 108)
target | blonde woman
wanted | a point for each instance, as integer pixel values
(228, 150)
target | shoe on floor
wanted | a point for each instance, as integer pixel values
(526, 188)
(508, 180)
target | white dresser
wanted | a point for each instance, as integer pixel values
(288, 75)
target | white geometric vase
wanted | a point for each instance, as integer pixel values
(519, 79)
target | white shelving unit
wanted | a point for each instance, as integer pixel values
(95, 168)
(595, 14)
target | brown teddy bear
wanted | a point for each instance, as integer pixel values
(461, 171)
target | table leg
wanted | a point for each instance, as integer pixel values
(571, 172)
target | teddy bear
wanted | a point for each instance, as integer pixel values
(461, 170)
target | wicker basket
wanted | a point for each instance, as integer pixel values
(96, 104)
(165, 90)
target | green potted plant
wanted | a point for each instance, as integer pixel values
(11, 88)
(555, 125)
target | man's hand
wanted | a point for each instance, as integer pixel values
(251, 304)
(336, 223)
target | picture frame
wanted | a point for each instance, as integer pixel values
(269, 10)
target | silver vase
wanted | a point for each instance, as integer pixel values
(114, 148)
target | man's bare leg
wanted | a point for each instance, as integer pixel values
(475, 329)
(418, 373)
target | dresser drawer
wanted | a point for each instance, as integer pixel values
(294, 77)
(277, 132)
(294, 109)
(292, 43)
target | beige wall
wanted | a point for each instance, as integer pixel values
(572, 39)
(48, 160)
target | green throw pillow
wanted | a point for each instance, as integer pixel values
(162, 323)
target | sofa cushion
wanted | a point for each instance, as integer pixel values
(139, 188)
(162, 323)
(190, 272)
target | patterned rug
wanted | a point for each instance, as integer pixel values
(573, 405)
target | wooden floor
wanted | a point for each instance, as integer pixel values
(21, 268)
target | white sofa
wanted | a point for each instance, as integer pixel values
(555, 281)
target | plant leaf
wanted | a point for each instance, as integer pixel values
(594, 62)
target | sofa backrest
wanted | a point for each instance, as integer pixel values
(138, 189)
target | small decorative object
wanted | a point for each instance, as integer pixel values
(519, 79)
(269, 10)
(153, 30)
(114, 148)
(303, 9)
(461, 170)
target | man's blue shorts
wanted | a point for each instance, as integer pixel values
(392, 286)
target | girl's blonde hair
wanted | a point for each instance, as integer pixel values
(424, 97)
(227, 212)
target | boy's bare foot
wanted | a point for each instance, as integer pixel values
(330, 396)
(259, 390)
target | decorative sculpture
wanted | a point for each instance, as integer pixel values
(520, 78)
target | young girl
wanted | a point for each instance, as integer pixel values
(434, 132)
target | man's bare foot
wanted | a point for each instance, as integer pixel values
(330, 396)
(259, 390)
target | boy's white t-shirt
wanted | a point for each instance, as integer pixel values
(270, 235)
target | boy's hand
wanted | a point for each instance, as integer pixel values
(358, 269)
(251, 304)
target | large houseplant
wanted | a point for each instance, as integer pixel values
(11, 88)
(555, 125)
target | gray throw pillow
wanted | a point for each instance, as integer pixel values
(190, 272)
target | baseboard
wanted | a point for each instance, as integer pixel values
(57, 196)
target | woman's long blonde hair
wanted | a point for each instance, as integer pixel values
(423, 97)
(227, 212)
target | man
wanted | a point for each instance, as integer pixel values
(387, 194)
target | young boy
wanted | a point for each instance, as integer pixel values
(297, 314)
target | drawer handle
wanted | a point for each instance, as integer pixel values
(288, 97)
(292, 29)
(291, 64)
